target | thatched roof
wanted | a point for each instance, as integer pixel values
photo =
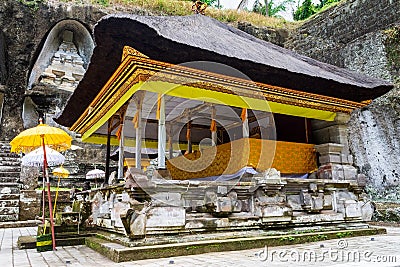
(199, 38)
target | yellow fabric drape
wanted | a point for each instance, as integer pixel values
(243, 116)
(213, 126)
(119, 132)
(158, 107)
(135, 120)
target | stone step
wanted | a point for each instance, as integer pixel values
(5, 145)
(9, 210)
(10, 163)
(10, 174)
(9, 217)
(9, 188)
(9, 197)
(10, 169)
(9, 203)
(8, 179)
(8, 153)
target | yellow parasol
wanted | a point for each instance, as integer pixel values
(42, 135)
(35, 137)
(59, 172)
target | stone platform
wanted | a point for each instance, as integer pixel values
(121, 249)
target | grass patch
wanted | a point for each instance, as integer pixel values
(182, 8)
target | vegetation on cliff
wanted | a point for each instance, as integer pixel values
(393, 52)
(181, 8)
(308, 8)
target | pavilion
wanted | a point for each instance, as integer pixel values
(218, 104)
(151, 83)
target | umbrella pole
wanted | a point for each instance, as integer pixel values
(55, 200)
(48, 195)
(43, 198)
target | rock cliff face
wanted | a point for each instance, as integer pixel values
(362, 35)
(24, 30)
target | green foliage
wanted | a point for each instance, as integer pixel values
(209, 2)
(32, 4)
(344, 234)
(392, 42)
(307, 8)
(103, 2)
(287, 238)
(273, 8)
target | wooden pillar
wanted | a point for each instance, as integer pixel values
(108, 150)
(245, 126)
(121, 151)
(189, 135)
(170, 142)
(139, 130)
(161, 135)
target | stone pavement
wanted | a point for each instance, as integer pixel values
(380, 250)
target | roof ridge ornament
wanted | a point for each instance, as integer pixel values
(199, 7)
(132, 52)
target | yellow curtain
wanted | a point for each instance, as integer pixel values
(119, 132)
(135, 119)
(213, 126)
(158, 107)
(243, 116)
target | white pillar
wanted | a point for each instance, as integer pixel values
(138, 148)
(162, 134)
(245, 127)
(121, 152)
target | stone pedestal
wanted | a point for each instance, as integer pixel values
(332, 131)
(335, 164)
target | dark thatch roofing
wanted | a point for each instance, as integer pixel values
(199, 38)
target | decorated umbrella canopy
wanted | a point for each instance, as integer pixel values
(35, 137)
(36, 157)
(96, 173)
(59, 172)
(40, 136)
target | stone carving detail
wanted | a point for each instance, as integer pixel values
(66, 68)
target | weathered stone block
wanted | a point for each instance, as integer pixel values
(367, 210)
(352, 209)
(329, 148)
(118, 209)
(294, 202)
(275, 211)
(330, 158)
(327, 201)
(349, 172)
(331, 171)
(166, 217)
(167, 199)
(224, 204)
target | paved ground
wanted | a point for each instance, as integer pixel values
(381, 250)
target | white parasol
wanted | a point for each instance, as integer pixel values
(36, 158)
(96, 173)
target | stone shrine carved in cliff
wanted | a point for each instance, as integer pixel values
(66, 68)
